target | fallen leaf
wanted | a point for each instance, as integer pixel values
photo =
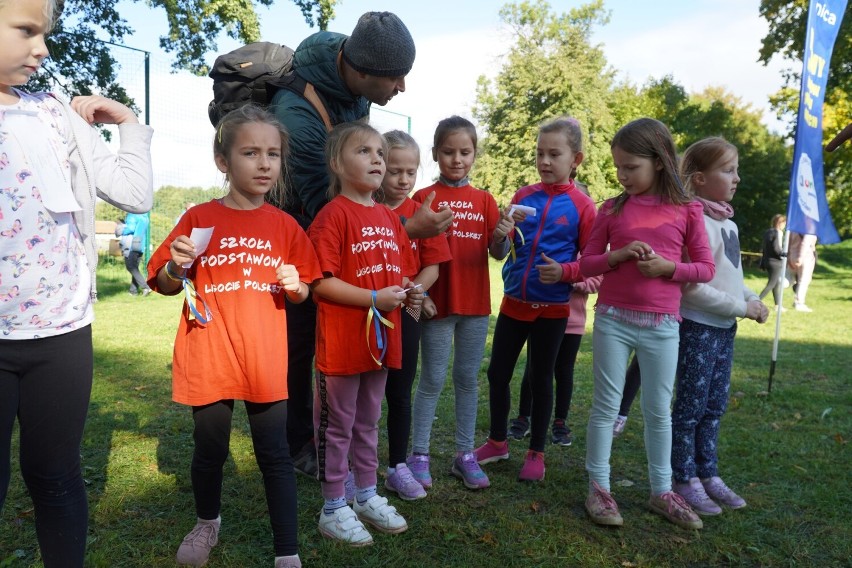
(535, 506)
(488, 538)
(624, 483)
(739, 394)
(627, 564)
(800, 468)
(825, 413)
(775, 426)
(839, 438)
(797, 416)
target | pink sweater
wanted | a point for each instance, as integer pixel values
(675, 232)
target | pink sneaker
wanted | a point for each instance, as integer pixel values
(492, 451)
(602, 508)
(674, 508)
(533, 468)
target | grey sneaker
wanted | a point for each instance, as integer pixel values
(519, 428)
(305, 462)
(196, 546)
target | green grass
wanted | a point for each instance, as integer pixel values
(786, 453)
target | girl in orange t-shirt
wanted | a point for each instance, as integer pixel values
(365, 257)
(459, 303)
(228, 344)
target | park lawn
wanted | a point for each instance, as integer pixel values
(786, 452)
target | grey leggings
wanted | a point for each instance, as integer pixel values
(465, 335)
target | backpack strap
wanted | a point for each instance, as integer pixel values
(312, 97)
(293, 82)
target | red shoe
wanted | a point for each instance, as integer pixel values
(533, 468)
(491, 451)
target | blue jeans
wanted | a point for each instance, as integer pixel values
(656, 349)
(704, 378)
(465, 335)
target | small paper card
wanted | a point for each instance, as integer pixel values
(200, 238)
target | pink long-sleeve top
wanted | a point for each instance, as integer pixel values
(675, 232)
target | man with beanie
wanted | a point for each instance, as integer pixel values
(349, 74)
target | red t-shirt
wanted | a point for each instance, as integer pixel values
(241, 353)
(463, 286)
(429, 251)
(368, 248)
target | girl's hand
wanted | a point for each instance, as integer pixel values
(518, 216)
(414, 297)
(429, 309)
(102, 110)
(637, 250)
(390, 298)
(183, 250)
(504, 226)
(757, 310)
(654, 266)
(288, 277)
(550, 272)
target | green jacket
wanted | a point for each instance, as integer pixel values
(315, 61)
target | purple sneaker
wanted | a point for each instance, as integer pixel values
(467, 469)
(402, 482)
(418, 464)
(722, 494)
(693, 493)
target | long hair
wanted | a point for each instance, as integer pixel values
(702, 156)
(226, 132)
(649, 138)
(337, 140)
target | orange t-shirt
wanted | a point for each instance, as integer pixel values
(241, 353)
(368, 248)
(463, 286)
(429, 251)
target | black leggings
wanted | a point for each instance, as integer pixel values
(563, 373)
(46, 383)
(212, 437)
(545, 336)
(398, 392)
(776, 277)
(632, 382)
(301, 344)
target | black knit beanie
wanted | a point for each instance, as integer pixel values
(380, 45)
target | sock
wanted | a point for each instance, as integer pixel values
(331, 505)
(365, 494)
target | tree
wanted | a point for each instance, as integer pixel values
(786, 37)
(194, 26)
(551, 70)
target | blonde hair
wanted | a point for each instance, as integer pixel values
(52, 11)
(226, 132)
(337, 140)
(777, 220)
(397, 140)
(702, 156)
(649, 138)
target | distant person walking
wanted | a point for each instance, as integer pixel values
(771, 259)
(802, 260)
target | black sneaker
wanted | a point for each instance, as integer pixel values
(305, 462)
(561, 433)
(519, 428)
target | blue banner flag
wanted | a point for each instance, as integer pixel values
(807, 209)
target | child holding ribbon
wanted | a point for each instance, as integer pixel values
(228, 344)
(366, 259)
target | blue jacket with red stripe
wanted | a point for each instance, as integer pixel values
(560, 229)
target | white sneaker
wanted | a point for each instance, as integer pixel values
(343, 525)
(381, 516)
(801, 307)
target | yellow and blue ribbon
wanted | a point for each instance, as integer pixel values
(192, 298)
(375, 317)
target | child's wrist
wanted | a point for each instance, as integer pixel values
(172, 274)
